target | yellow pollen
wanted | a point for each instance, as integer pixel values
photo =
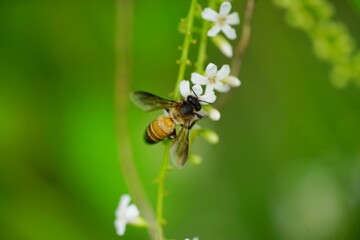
(212, 79)
(222, 20)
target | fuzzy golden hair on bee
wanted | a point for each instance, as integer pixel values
(159, 129)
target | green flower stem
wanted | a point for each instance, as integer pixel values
(199, 65)
(244, 40)
(176, 95)
(185, 48)
(160, 181)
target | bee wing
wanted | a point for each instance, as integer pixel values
(180, 147)
(150, 102)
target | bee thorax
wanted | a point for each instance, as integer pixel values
(186, 110)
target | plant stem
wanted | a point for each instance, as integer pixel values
(176, 95)
(123, 75)
(240, 47)
(199, 65)
(244, 40)
(160, 181)
(185, 48)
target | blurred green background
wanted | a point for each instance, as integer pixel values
(287, 165)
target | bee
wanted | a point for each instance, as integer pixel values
(184, 112)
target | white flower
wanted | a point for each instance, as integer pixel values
(197, 91)
(125, 214)
(195, 238)
(214, 79)
(222, 20)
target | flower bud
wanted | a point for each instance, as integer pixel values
(195, 159)
(214, 114)
(224, 45)
(209, 135)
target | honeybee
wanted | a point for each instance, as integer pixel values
(184, 112)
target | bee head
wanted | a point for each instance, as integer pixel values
(195, 102)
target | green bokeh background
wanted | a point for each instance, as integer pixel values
(287, 165)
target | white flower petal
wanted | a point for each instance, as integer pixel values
(185, 88)
(209, 88)
(214, 114)
(124, 202)
(203, 113)
(197, 78)
(214, 30)
(223, 72)
(219, 86)
(209, 97)
(197, 89)
(232, 81)
(120, 226)
(225, 8)
(233, 19)
(132, 213)
(211, 70)
(209, 14)
(229, 31)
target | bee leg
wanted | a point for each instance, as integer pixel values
(199, 115)
(193, 123)
(173, 134)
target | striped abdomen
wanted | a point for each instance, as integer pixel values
(159, 129)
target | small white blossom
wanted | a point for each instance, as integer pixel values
(214, 79)
(197, 91)
(125, 214)
(222, 20)
(195, 238)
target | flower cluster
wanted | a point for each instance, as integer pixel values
(213, 79)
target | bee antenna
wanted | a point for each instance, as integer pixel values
(194, 93)
(204, 101)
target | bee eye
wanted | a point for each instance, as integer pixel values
(197, 106)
